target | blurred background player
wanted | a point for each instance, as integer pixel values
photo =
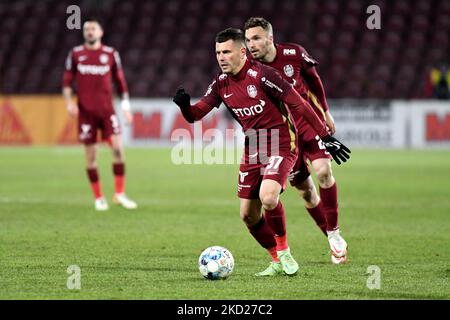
(297, 67)
(437, 85)
(93, 65)
(254, 94)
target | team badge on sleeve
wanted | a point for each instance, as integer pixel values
(208, 92)
(251, 90)
(308, 59)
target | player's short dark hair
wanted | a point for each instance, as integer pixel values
(231, 34)
(254, 22)
(94, 19)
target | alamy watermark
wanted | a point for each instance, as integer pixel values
(74, 280)
(374, 279)
(374, 20)
(214, 146)
(73, 22)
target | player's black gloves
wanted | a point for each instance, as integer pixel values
(338, 151)
(182, 98)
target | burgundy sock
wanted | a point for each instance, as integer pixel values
(95, 182)
(119, 177)
(276, 219)
(329, 198)
(318, 214)
(263, 234)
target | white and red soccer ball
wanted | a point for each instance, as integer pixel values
(216, 263)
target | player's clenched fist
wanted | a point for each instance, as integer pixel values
(182, 98)
(338, 151)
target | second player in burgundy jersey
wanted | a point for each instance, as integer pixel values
(296, 66)
(93, 71)
(293, 62)
(94, 67)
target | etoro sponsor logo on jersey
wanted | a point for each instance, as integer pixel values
(250, 111)
(93, 69)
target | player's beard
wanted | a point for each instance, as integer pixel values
(92, 41)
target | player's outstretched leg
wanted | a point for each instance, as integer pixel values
(329, 195)
(276, 218)
(120, 197)
(264, 235)
(250, 211)
(313, 203)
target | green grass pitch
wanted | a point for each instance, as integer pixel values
(394, 213)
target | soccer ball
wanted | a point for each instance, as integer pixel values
(216, 263)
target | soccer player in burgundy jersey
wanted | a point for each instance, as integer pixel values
(94, 65)
(254, 95)
(297, 67)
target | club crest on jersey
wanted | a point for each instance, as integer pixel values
(288, 70)
(289, 52)
(104, 58)
(252, 92)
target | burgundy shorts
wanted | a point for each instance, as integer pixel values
(311, 148)
(252, 175)
(89, 124)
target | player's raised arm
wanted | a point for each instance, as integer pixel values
(68, 76)
(299, 107)
(338, 151)
(190, 113)
(312, 79)
(197, 111)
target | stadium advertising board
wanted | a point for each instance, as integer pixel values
(369, 123)
(430, 123)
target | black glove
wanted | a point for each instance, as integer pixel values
(182, 98)
(338, 151)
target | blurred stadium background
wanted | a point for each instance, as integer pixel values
(381, 90)
(167, 43)
(162, 42)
